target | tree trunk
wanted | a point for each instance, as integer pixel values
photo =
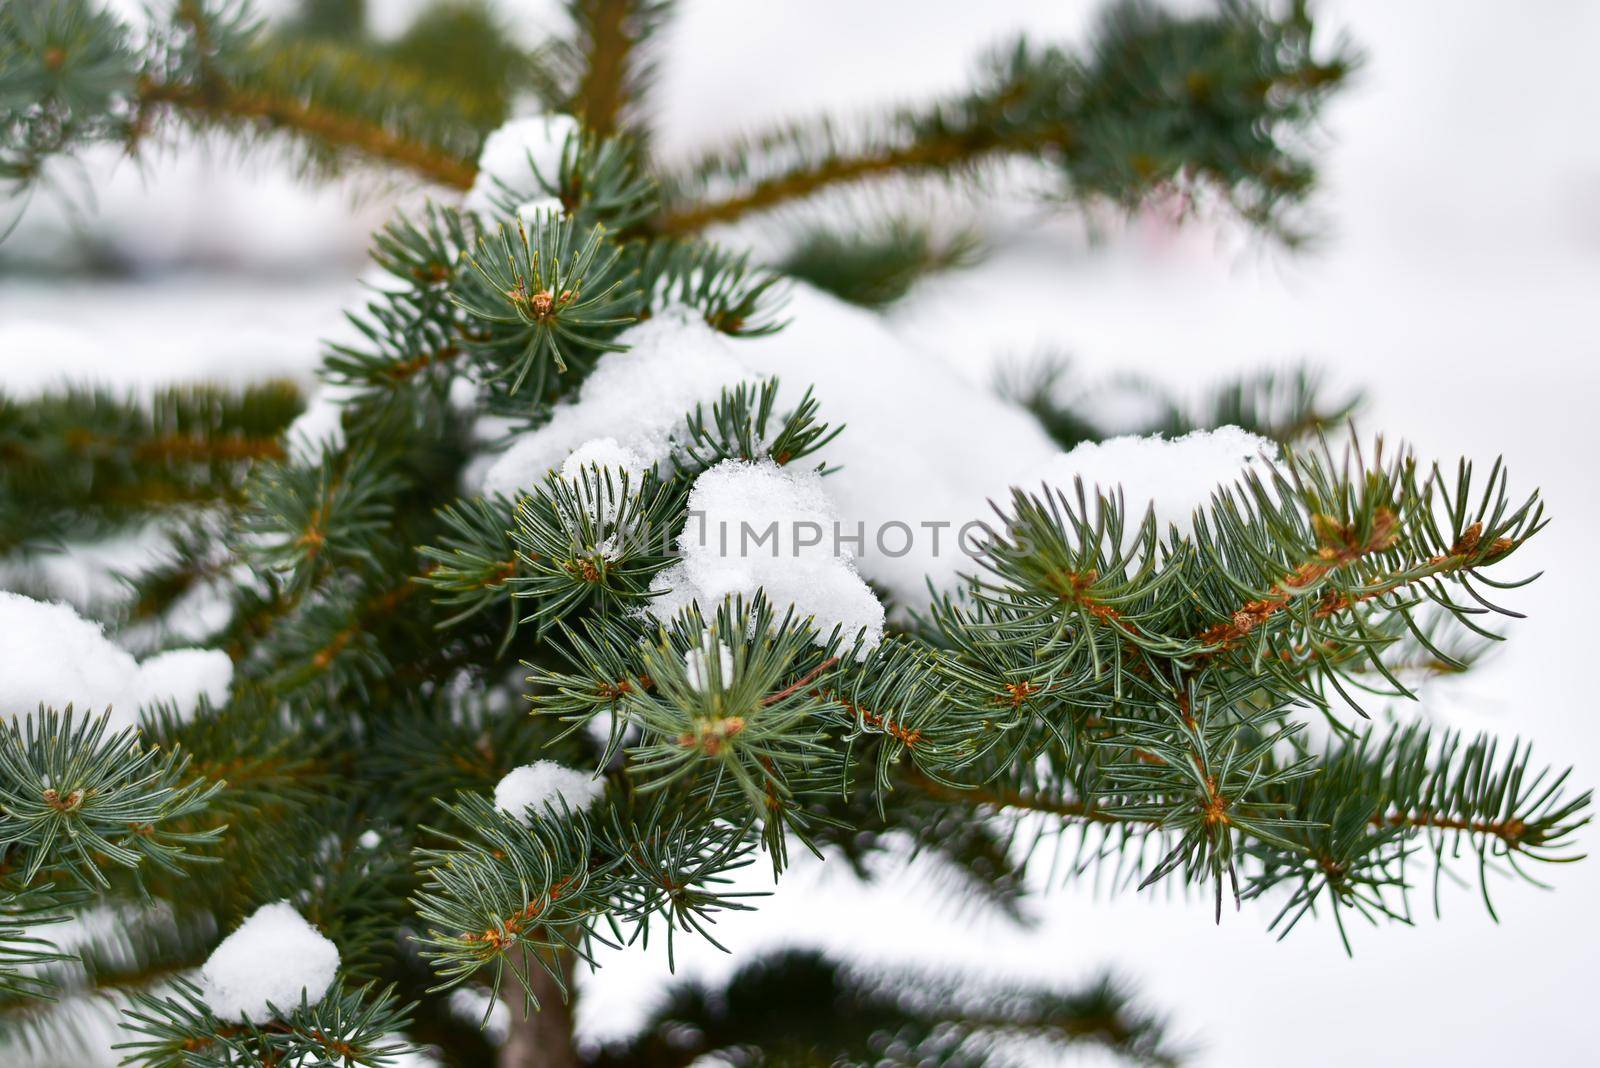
(540, 1038)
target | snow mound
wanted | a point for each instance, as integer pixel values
(534, 786)
(318, 427)
(635, 399)
(36, 356)
(1173, 477)
(183, 676)
(504, 164)
(921, 445)
(922, 453)
(272, 957)
(760, 526)
(54, 657)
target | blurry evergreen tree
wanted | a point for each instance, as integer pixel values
(1136, 692)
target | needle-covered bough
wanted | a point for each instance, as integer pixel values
(319, 825)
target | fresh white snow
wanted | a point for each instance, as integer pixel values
(920, 447)
(274, 956)
(52, 656)
(635, 398)
(317, 428)
(697, 664)
(533, 210)
(513, 154)
(543, 783)
(182, 676)
(760, 526)
(1172, 477)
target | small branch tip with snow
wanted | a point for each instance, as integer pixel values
(521, 160)
(273, 959)
(1173, 477)
(758, 526)
(630, 404)
(526, 792)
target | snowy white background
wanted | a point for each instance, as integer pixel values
(1457, 285)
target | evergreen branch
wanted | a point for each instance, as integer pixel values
(303, 521)
(593, 541)
(936, 155)
(115, 951)
(992, 797)
(610, 34)
(1117, 123)
(1511, 831)
(1376, 796)
(86, 461)
(75, 800)
(324, 127)
(24, 953)
(351, 1027)
(549, 299)
(214, 66)
(875, 265)
(738, 428)
(732, 296)
(799, 1004)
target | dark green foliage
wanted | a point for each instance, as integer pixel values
(1206, 105)
(595, 542)
(798, 1007)
(348, 1027)
(545, 299)
(464, 45)
(411, 325)
(86, 462)
(735, 298)
(738, 428)
(608, 59)
(24, 954)
(307, 521)
(1372, 793)
(78, 800)
(875, 269)
(63, 66)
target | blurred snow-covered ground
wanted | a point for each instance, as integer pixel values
(1458, 286)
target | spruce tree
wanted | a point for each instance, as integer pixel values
(478, 705)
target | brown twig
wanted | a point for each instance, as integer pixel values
(611, 43)
(220, 101)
